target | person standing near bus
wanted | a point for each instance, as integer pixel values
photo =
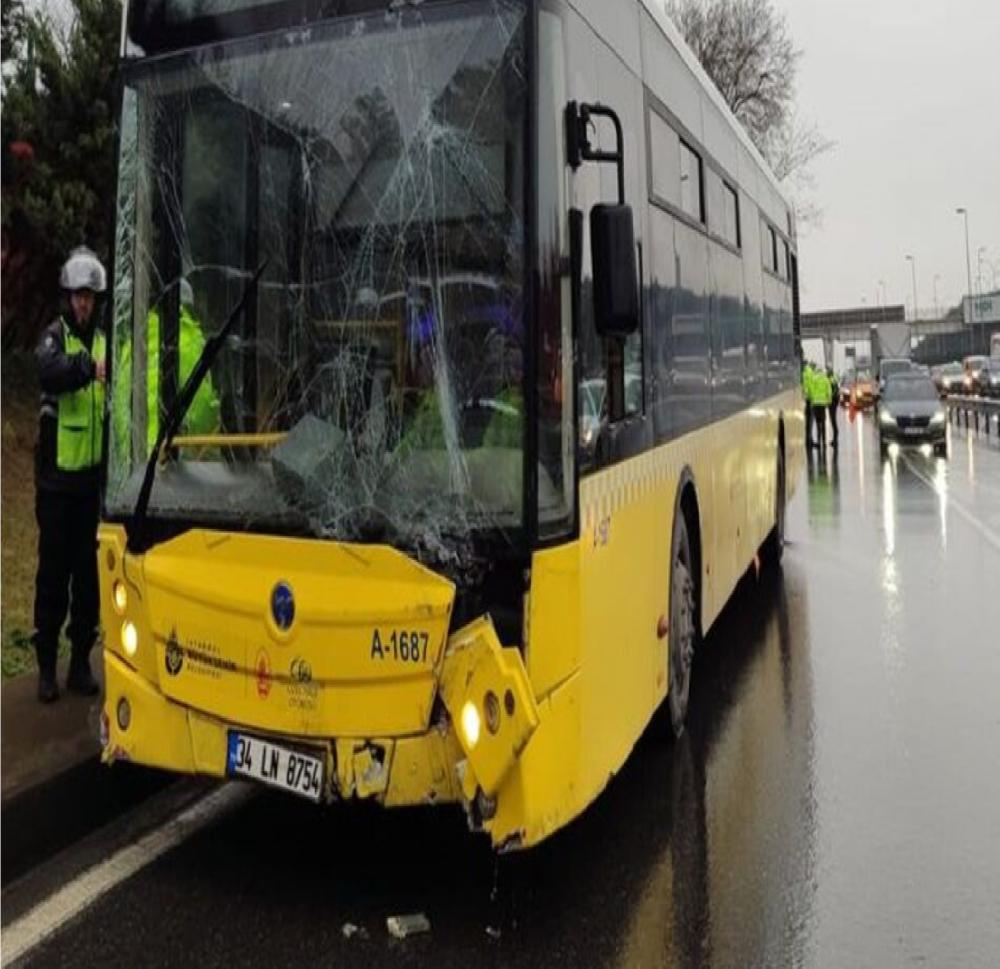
(834, 404)
(807, 375)
(822, 394)
(71, 372)
(204, 414)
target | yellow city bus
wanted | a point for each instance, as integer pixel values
(475, 394)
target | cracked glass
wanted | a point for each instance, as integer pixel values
(373, 388)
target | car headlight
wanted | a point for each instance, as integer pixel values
(938, 418)
(885, 417)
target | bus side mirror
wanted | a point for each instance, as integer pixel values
(616, 291)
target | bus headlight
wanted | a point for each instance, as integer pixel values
(886, 418)
(470, 724)
(130, 638)
(119, 596)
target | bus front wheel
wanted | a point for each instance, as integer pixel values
(683, 628)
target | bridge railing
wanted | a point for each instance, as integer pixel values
(973, 411)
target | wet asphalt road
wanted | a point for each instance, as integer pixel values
(835, 802)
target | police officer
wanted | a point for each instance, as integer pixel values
(822, 394)
(71, 370)
(807, 375)
(834, 404)
(203, 416)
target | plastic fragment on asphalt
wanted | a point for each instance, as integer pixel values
(402, 926)
(493, 931)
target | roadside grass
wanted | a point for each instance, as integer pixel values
(19, 415)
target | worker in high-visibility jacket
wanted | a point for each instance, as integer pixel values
(71, 372)
(822, 396)
(203, 415)
(807, 375)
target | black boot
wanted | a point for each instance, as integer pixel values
(48, 689)
(80, 680)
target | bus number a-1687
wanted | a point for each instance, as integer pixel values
(401, 645)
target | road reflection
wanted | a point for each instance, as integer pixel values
(702, 852)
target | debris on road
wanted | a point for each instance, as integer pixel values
(401, 926)
(493, 932)
(349, 930)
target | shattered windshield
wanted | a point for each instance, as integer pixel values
(373, 387)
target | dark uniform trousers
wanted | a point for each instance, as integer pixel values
(819, 418)
(67, 574)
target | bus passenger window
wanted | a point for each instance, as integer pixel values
(691, 200)
(769, 249)
(665, 160)
(732, 216)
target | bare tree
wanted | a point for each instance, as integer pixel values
(746, 49)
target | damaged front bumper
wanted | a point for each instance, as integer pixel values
(456, 726)
(452, 762)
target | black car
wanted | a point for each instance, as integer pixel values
(910, 413)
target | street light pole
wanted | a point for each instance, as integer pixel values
(937, 308)
(979, 270)
(913, 266)
(968, 261)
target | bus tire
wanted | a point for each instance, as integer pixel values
(683, 631)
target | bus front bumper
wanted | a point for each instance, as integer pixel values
(486, 719)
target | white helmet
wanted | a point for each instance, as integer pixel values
(83, 270)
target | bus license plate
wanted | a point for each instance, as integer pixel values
(275, 765)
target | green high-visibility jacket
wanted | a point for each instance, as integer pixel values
(822, 390)
(80, 413)
(203, 414)
(807, 377)
(505, 427)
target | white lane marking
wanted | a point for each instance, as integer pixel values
(49, 916)
(984, 530)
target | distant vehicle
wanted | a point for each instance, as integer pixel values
(989, 378)
(846, 384)
(910, 413)
(973, 367)
(889, 341)
(862, 392)
(949, 378)
(892, 365)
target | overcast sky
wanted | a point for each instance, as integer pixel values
(910, 92)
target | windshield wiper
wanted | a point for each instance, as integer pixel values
(170, 425)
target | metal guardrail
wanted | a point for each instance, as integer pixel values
(974, 411)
